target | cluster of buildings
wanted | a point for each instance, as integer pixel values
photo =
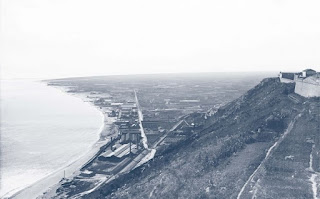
(291, 77)
(127, 122)
(307, 82)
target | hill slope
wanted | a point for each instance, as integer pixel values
(264, 144)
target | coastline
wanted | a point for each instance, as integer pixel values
(71, 169)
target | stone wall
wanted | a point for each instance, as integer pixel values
(307, 89)
(284, 80)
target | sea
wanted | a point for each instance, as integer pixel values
(43, 129)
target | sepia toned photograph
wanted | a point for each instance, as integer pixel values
(149, 99)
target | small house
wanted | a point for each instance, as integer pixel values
(308, 72)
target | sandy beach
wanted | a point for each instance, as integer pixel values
(49, 183)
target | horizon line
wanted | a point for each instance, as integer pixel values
(133, 74)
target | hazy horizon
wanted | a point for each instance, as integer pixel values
(145, 74)
(56, 39)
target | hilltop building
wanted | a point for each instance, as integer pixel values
(307, 82)
(308, 73)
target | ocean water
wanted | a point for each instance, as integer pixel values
(42, 130)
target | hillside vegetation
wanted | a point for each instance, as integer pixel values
(260, 145)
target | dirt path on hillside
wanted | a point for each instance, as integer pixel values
(269, 152)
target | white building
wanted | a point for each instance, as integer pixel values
(307, 82)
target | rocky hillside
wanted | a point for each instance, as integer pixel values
(263, 145)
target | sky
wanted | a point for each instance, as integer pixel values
(66, 38)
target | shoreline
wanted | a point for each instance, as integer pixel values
(51, 180)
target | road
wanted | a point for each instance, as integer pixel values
(140, 116)
(167, 133)
(138, 106)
